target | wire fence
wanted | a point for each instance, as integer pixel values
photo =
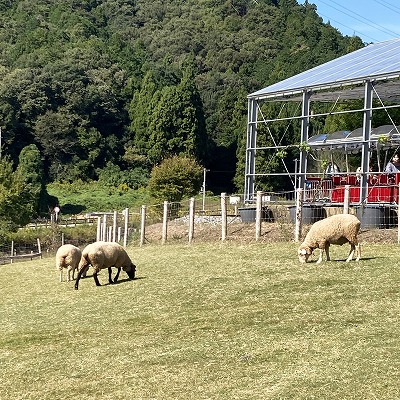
(277, 219)
(22, 252)
(212, 218)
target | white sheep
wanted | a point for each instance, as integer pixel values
(336, 229)
(68, 256)
(102, 255)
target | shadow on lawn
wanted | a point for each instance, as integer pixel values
(124, 280)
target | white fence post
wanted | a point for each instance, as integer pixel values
(143, 225)
(104, 230)
(98, 234)
(114, 233)
(165, 223)
(223, 216)
(126, 222)
(191, 219)
(258, 214)
(346, 199)
(299, 210)
(39, 247)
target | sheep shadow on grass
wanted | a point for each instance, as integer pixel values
(123, 281)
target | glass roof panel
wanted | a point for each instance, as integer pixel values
(378, 61)
(353, 140)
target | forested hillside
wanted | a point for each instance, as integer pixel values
(112, 87)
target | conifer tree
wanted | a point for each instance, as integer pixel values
(30, 171)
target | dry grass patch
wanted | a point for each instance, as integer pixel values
(206, 321)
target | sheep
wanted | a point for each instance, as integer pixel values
(336, 229)
(102, 255)
(68, 256)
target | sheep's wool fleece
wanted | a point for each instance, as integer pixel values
(334, 228)
(106, 254)
(68, 255)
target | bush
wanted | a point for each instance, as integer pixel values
(113, 176)
(51, 236)
(175, 178)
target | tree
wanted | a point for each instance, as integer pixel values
(17, 200)
(31, 171)
(54, 131)
(177, 124)
(140, 112)
(175, 178)
(74, 76)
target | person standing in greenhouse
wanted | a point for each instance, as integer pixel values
(393, 165)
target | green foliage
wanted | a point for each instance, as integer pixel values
(30, 165)
(31, 170)
(81, 197)
(133, 82)
(51, 236)
(17, 197)
(175, 178)
(346, 121)
(113, 176)
(169, 120)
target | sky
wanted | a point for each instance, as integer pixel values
(372, 20)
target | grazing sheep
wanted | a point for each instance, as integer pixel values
(337, 229)
(102, 255)
(68, 256)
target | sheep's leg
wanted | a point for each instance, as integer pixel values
(78, 278)
(84, 271)
(61, 274)
(68, 275)
(328, 257)
(321, 255)
(116, 276)
(358, 252)
(355, 251)
(109, 276)
(351, 254)
(96, 279)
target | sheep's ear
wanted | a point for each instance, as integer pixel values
(303, 252)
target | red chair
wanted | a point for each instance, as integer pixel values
(352, 180)
(373, 180)
(383, 179)
(391, 179)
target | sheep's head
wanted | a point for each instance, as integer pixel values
(304, 253)
(130, 270)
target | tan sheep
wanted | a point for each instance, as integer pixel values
(336, 229)
(68, 256)
(102, 255)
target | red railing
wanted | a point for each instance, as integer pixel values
(382, 188)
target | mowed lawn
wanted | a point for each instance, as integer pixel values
(205, 321)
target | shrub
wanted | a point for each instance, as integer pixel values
(113, 176)
(175, 178)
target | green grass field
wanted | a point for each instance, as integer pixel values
(205, 321)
